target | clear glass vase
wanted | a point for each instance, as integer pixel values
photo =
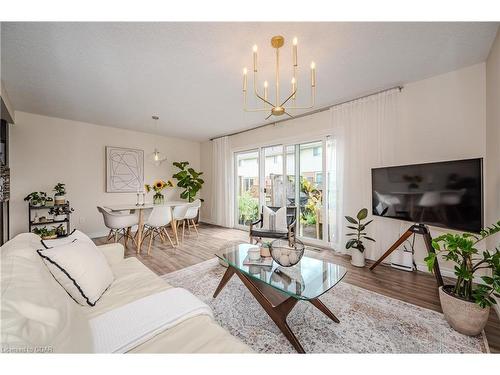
(158, 198)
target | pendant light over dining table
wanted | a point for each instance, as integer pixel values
(156, 157)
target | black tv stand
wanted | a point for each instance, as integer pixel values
(414, 229)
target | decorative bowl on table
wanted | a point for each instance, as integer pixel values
(286, 254)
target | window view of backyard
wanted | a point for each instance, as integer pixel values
(247, 188)
(311, 190)
(302, 186)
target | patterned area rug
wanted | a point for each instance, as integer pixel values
(369, 322)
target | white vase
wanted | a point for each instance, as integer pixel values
(357, 258)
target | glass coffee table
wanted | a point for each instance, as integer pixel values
(278, 288)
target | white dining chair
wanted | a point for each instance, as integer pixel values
(119, 224)
(191, 214)
(179, 214)
(156, 225)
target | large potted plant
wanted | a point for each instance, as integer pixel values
(466, 306)
(188, 179)
(356, 244)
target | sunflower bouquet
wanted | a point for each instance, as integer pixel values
(158, 186)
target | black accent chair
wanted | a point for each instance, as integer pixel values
(257, 232)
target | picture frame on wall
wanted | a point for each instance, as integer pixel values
(124, 170)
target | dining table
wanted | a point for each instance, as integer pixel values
(140, 208)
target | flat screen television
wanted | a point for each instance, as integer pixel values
(444, 194)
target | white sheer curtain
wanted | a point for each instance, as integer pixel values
(364, 136)
(222, 183)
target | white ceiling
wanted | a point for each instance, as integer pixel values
(119, 74)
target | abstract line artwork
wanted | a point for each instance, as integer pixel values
(124, 170)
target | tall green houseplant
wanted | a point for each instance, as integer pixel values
(462, 249)
(188, 179)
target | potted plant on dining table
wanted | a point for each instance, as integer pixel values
(158, 186)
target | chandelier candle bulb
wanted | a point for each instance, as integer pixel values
(255, 58)
(245, 71)
(313, 74)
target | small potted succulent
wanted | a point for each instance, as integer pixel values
(466, 305)
(36, 198)
(46, 234)
(59, 212)
(265, 249)
(356, 244)
(60, 195)
(49, 202)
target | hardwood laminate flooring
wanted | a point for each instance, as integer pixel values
(417, 288)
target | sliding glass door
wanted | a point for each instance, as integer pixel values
(293, 175)
(247, 187)
(273, 176)
(311, 190)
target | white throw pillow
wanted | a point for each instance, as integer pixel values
(275, 221)
(80, 268)
(75, 235)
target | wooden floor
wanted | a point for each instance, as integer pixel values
(417, 288)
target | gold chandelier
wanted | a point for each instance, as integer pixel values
(278, 107)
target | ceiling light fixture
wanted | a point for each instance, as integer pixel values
(156, 157)
(278, 108)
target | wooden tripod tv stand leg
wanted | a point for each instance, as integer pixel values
(414, 229)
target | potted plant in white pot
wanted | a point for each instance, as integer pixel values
(356, 244)
(60, 195)
(466, 306)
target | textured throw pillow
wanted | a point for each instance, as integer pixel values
(80, 268)
(274, 221)
(75, 235)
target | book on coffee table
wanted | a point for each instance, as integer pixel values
(262, 261)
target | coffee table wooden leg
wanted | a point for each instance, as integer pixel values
(277, 313)
(227, 276)
(321, 307)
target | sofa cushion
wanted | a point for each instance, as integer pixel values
(37, 314)
(132, 280)
(80, 268)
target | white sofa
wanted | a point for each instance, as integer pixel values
(38, 315)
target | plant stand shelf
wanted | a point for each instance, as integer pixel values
(66, 221)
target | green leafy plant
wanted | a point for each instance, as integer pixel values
(45, 232)
(60, 189)
(189, 180)
(462, 249)
(60, 231)
(248, 207)
(359, 228)
(36, 198)
(310, 211)
(61, 210)
(266, 244)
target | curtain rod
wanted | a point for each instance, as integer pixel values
(322, 109)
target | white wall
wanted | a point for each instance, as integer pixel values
(47, 150)
(493, 136)
(440, 118)
(493, 141)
